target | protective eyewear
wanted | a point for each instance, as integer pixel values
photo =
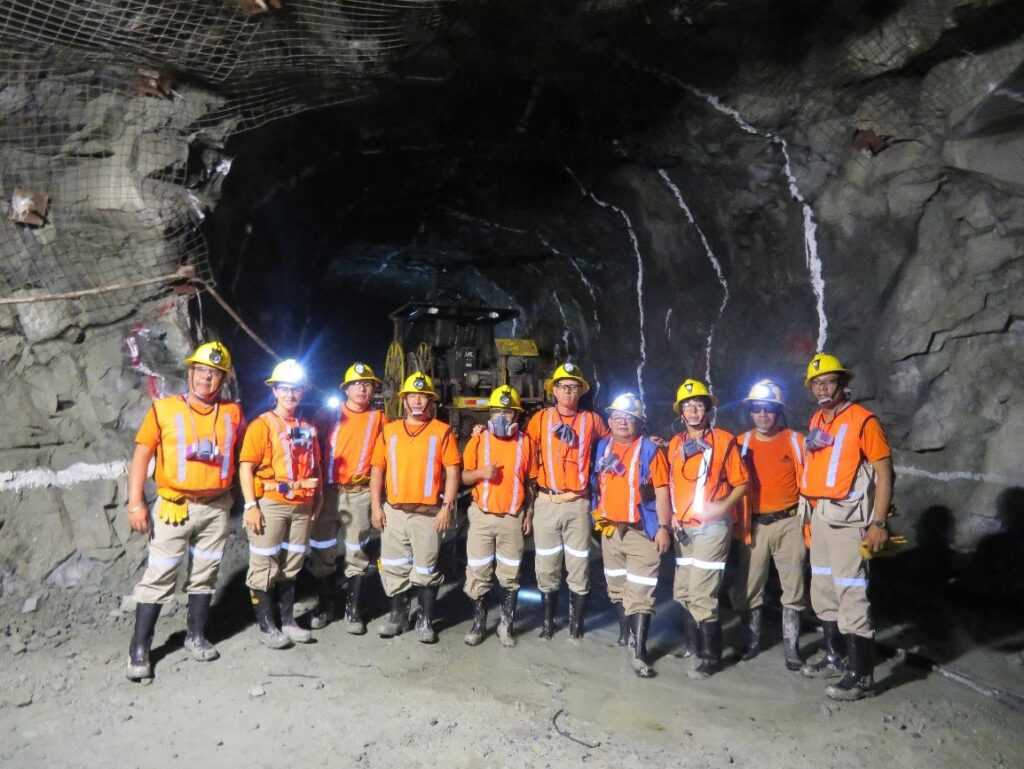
(569, 388)
(207, 371)
(289, 389)
(694, 405)
(831, 381)
(769, 408)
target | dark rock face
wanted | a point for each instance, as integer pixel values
(665, 189)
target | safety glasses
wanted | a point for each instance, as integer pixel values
(768, 408)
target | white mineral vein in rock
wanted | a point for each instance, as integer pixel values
(593, 296)
(668, 328)
(959, 475)
(810, 226)
(639, 275)
(565, 322)
(1007, 93)
(43, 477)
(714, 263)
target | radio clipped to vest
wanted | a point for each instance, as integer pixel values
(204, 450)
(692, 447)
(817, 439)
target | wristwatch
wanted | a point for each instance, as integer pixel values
(666, 526)
(882, 524)
(249, 506)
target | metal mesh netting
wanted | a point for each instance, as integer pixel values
(113, 115)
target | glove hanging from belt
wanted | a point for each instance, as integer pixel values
(890, 547)
(173, 507)
(601, 526)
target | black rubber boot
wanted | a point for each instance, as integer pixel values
(476, 633)
(791, 637)
(353, 621)
(139, 667)
(508, 618)
(710, 649)
(326, 602)
(623, 626)
(576, 603)
(397, 621)
(690, 636)
(198, 614)
(832, 664)
(425, 622)
(270, 633)
(753, 618)
(549, 604)
(639, 625)
(859, 680)
(286, 599)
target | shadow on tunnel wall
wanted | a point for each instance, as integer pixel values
(947, 601)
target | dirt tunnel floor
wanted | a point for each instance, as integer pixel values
(363, 701)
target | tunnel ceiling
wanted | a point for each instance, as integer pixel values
(664, 189)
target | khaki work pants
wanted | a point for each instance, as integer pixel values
(409, 548)
(345, 516)
(279, 552)
(202, 536)
(561, 533)
(839, 577)
(492, 538)
(781, 542)
(701, 552)
(631, 563)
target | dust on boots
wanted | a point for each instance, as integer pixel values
(139, 667)
(195, 640)
(270, 634)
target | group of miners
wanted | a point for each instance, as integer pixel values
(314, 488)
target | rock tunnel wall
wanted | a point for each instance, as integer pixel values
(865, 196)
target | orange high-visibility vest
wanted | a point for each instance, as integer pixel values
(705, 477)
(414, 464)
(181, 426)
(506, 495)
(350, 444)
(560, 467)
(829, 472)
(288, 462)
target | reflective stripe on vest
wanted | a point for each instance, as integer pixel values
(393, 461)
(634, 463)
(428, 482)
(179, 427)
(363, 452)
(286, 445)
(746, 442)
(229, 437)
(516, 483)
(833, 461)
(581, 453)
(795, 440)
(549, 457)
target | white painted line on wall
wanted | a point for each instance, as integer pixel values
(43, 477)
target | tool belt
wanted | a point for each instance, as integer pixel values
(558, 497)
(764, 519)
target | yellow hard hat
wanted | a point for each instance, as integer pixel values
(693, 388)
(629, 403)
(504, 397)
(288, 372)
(212, 354)
(358, 372)
(418, 382)
(765, 391)
(823, 363)
(567, 371)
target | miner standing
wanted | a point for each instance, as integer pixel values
(631, 506)
(847, 480)
(192, 437)
(498, 463)
(416, 460)
(279, 472)
(774, 457)
(565, 437)
(708, 481)
(347, 450)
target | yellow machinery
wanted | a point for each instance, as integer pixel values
(455, 344)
